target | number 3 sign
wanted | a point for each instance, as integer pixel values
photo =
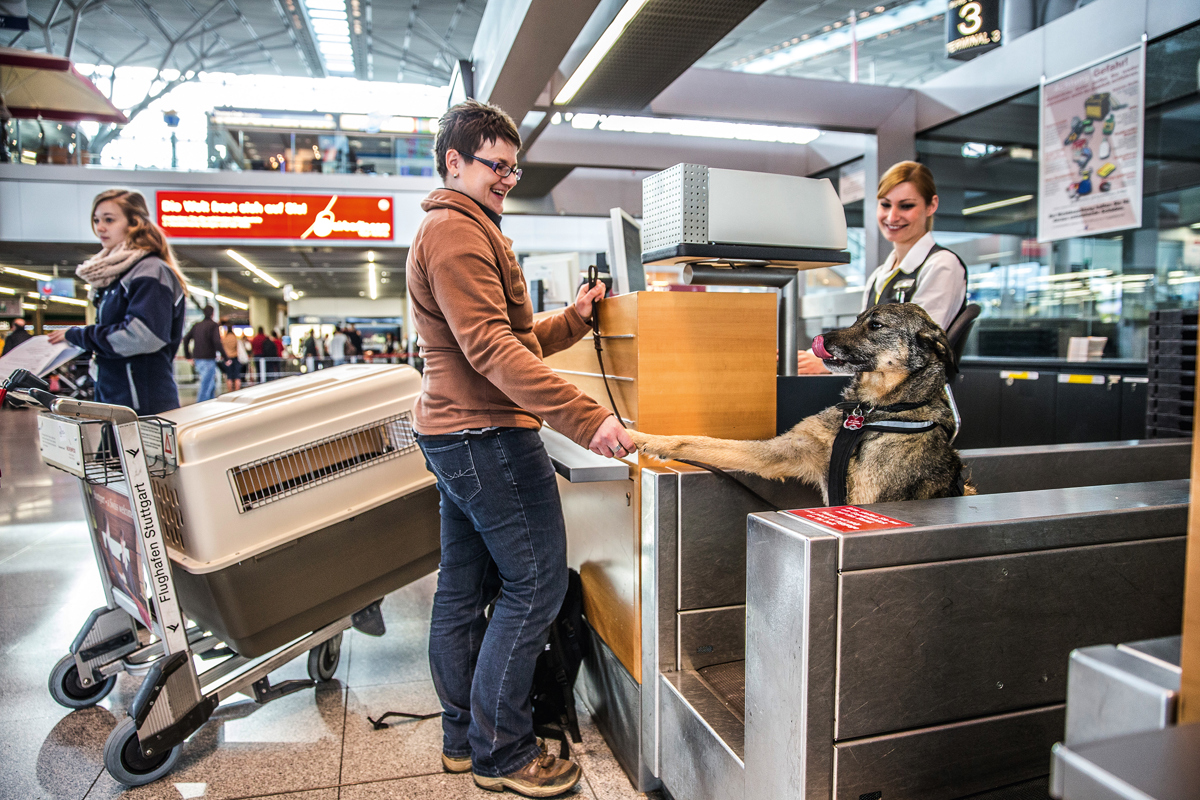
(972, 27)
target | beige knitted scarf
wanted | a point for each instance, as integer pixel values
(109, 264)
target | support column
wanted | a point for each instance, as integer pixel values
(894, 141)
(260, 313)
(216, 289)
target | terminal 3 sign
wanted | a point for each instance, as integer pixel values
(253, 215)
(972, 28)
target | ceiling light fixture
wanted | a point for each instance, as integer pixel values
(372, 285)
(231, 302)
(238, 257)
(600, 49)
(1012, 201)
(199, 291)
(6, 290)
(710, 129)
(36, 276)
(70, 301)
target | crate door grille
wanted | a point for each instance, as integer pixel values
(284, 474)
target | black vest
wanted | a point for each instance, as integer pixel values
(901, 287)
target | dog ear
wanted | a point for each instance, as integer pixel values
(939, 345)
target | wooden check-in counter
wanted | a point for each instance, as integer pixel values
(677, 363)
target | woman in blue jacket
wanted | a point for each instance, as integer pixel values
(139, 294)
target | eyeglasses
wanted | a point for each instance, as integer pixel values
(503, 170)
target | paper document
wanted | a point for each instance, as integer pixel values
(38, 356)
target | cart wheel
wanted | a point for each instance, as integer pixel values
(124, 760)
(67, 691)
(323, 659)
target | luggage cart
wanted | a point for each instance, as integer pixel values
(142, 629)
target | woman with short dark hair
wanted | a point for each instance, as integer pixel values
(484, 394)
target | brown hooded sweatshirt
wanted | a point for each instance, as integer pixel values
(483, 349)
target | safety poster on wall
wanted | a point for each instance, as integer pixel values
(1090, 159)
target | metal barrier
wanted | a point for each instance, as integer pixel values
(680, 553)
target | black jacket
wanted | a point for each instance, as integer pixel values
(203, 341)
(15, 338)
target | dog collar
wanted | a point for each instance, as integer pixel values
(854, 417)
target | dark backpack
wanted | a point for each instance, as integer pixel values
(553, 692)
(269, 350)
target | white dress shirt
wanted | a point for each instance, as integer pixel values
(941, 285)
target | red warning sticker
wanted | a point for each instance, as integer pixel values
(846, 519)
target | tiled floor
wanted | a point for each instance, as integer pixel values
(312, 745)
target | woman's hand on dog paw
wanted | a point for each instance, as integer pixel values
(612, 440)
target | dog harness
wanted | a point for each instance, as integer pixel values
(850, 434)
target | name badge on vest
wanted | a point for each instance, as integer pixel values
(903, 289)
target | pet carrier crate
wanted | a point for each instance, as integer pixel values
(252, 529)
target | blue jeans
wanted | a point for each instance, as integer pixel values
(206, 371)
(503, 539)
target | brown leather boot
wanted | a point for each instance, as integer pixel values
(544, 776)
(455, 765)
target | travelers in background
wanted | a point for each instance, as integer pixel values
(356, 340)
(138, 292)
(279, 346)
(231, 364)
(203, 345)
(268, 357)
(256, 344)
(308, 349)
(17, 335)
(337, 346)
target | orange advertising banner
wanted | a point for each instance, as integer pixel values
(253, 215)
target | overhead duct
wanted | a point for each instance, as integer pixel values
(659, 44)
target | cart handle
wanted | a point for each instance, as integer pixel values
(84, 409)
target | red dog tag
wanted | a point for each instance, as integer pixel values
(853, 422)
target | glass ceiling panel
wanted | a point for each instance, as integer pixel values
(899, 43)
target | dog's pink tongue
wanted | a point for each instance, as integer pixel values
(818, 348)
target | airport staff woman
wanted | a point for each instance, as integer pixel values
(484, 393)
(138, 292)
(917, 270)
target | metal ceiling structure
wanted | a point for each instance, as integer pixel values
(411, 42)
(908, 55)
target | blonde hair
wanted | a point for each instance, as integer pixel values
(143, 233)
(916, 174)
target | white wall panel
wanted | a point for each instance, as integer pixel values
(343, 307)
(52, 212)
(11, 213)
(50, 203)
(1093, 32)
(545, 234)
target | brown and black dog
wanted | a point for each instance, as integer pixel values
(899, 358)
